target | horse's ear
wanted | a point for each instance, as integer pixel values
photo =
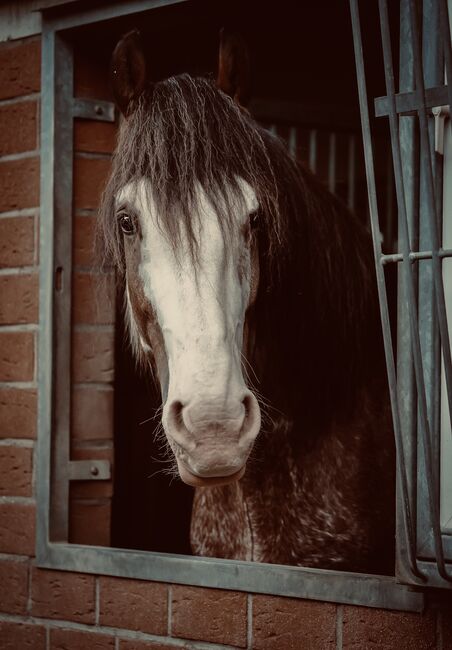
(234, 67)
(128, 70)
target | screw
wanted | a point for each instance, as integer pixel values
(94, 470)
(98, 110)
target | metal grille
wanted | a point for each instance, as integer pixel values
(421, 403)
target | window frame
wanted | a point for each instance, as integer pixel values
(58, 110)
(423, 549)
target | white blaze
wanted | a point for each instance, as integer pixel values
(200, 309)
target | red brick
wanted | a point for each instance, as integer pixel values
(289, 624)
(18, 412)
(16, 356)
(68, 596)
(90, 522)
(13, 587)
(18, 299)
(91, 489)
(19, 184)
(93, 299)
(134, 644)
(17, 241)
(377, 628)
(18, 130)
(14, 636)
(93, 356)
(209, 615)
(76, 640)
(92, 413)
(90, 176)
(84, 241)
(20, 68)
(94, 137)
(134, 605)
(16, 471)
(17, 528)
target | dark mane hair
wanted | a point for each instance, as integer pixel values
(314, 328)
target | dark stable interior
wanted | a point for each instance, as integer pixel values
(301, 53)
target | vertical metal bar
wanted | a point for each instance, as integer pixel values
(313, 150)
(332, 162)
(428, 323)
(45, 341)
(389, 227)
(406, 387)
(351, 172)
(373, 208)
(62, 272)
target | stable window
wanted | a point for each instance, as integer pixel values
(329, 142)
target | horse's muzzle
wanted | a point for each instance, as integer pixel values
(212, 439)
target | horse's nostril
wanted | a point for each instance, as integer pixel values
(251, 420)
(247, 403)
(176, 415)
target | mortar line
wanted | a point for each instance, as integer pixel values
(24, 155)
(21, 99)
(249, 622)
(339, 626)
(97, 600)
(170, 609)
(179, 642)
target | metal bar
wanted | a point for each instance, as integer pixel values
(406, 386)
(406, 265)
(45, 348)
(255, 577)
(415, 255)
(89, 470)
(96, 14)
(384, 310)
(62, 275)
(389, 198)
(408, 103)
(93, 109)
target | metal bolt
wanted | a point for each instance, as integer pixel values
(98, 110)
(94, 470)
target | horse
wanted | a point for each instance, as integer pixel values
(249, 294)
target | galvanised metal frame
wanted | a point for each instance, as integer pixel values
(423, 549)
(58, 109)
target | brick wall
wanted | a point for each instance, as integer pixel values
(54, 610)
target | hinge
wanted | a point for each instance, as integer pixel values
(89, 470)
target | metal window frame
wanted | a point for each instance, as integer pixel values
(423, 551)
(58, 109)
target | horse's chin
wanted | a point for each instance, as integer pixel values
(207, 481)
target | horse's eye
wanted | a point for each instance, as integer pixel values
(127, 223)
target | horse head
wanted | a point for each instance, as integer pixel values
(186, 243)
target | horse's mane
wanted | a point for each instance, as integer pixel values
(314, 326)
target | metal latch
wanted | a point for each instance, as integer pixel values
(89, 470)
(440, 114)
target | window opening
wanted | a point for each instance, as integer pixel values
(52, 549)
